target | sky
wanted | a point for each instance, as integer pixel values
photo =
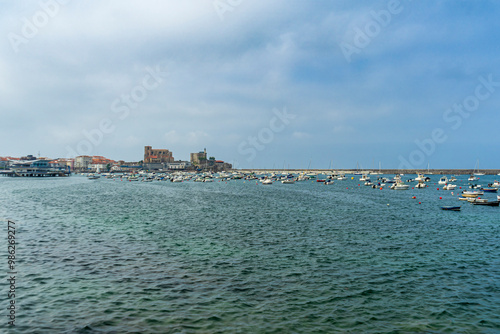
(260, 84)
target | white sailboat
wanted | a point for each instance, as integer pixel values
(476, 170)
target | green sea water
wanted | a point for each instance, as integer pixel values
(110, 256)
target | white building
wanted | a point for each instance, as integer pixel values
(178, 165)
(83, 162)
(98, 167)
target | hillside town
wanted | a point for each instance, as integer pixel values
(154, 160)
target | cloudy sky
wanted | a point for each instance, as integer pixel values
(258, 83)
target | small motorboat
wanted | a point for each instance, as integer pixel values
(329, 182)
(490, 190)
(472, 193)
(487, 203)
(472, 178)
(288, 181)
(399, 185)
(476, 200)
(443, 180)
(451, 208)
(364, 178)
(267, 182)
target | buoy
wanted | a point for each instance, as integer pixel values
(414, 197)
(438, 188)
(419, 202)
(460, 188)
(440, 198)
(387, 204)
(381, 188)
(359, 184)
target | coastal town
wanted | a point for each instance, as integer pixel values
(154, 160)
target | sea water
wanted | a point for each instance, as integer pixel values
(111, 256)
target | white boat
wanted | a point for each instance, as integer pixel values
(288, 181)
(93, 177)
(267, 182)
(177, 179)
(472, 178)
(329, 182)
(495, 184)
(341, 177)
(467, 193)
(476, 200)
(449, 187)
(365, 178)
(476, 170)
(443, 180)
(368, 183)
(420, 177)
(452, 179)
(421, 185)
(400, 185)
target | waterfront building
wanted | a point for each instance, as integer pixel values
(157, 155)
(4, 162)
(35, 168)
(82, 162)
(69, 163)
(179, 165)
(199, 158)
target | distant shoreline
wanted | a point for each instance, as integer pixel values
(381, 171)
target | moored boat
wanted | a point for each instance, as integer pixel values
(443, 180)
(451, 208)
(472, 193)
(487, 203)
